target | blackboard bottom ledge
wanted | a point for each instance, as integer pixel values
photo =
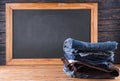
(33, 61)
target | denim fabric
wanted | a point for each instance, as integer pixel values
(100, 57)
(85, 70)
(68, 72)
(89, 60)
(72, 73)
(93, 62)
(71, 45)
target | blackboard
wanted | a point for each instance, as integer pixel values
(35, 32)
(41, 33)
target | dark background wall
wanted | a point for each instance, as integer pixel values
(108, 22)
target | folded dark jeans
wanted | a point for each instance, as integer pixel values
(92, 74)
(86, 70)
(104, 67)
(93, 62)
(70, 45)
(95, 57)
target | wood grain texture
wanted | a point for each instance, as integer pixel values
(109, 25)
(107, 22)
(40, 73)
(109, 36)
(109, 4)
(2, 27)
(2, 37)
(51, 6)
(2, 60)
(2, 16)
(8, 34)
(2, 53)
(2, 47)
(117, 55)
(109, 14)
(33, 61)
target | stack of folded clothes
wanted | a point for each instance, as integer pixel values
(89, 60)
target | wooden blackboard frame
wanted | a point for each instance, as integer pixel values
(28, 6)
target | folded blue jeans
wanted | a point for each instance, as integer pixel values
(86, 70)
(104, 63)
(98, 57)
(83, 75)
(71, 45)
(89, 60)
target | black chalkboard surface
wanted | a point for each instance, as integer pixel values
(41, 33)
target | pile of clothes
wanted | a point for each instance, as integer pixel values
(89, 60)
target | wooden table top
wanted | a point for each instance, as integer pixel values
(40, 73)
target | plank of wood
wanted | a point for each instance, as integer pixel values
(39, 73)
(107, 4)
(2, 37)
(2, 47)
(108, 22)
(109, 36)
(109, 25)
(2, 15)
(2, 59)
(2, 26)
(117, 57)
(109, 14)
